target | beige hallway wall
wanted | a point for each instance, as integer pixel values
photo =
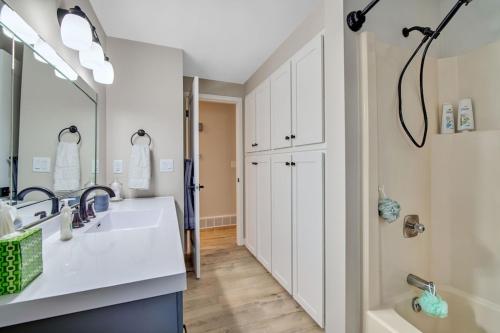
(217, 160)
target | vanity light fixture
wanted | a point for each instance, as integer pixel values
(94, 56)
(76, 30)
(105, 73)
(17, 26)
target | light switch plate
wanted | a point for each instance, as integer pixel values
(117, 166)
(41, 164)
(166, 165)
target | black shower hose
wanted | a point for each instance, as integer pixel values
(422, 95)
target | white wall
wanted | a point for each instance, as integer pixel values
(147, 94)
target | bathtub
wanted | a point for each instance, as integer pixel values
(467, 314)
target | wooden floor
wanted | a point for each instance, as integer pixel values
(236, 294)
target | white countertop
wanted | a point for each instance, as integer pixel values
(99, 269)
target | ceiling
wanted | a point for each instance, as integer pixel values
(224, 40)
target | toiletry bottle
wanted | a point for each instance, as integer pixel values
(66, 221)
(117, 187)
(447, 119)
(465, 116)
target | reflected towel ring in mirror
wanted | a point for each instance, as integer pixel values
(72, 129)
(140, 133)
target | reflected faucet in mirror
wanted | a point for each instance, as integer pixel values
(49, 193)
(83, 199)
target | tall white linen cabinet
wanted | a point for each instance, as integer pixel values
(284, 176)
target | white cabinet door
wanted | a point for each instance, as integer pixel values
(281, 175)
(307, 94)
(264, 211)
(263, 117)
(308, 224)
(250, 122)
(251, 205)
(281, 107)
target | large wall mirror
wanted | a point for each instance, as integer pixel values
(48, 127)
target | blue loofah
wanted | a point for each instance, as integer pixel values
(388, 209)
(433, 305)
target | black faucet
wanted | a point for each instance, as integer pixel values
(85, 194)
(49, 193)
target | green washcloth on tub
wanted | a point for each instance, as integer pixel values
(433, 305)
(21, 260)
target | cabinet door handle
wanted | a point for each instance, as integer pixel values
(255, 163)
(287, 137)
(287, 163)
(293, 136)
(293, 163)
(255, 144)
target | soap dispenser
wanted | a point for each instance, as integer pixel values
(66, 221)
(117, 187)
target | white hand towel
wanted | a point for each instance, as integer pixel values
(67, 168)
(139, 173)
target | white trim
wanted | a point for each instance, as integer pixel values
(238, 101)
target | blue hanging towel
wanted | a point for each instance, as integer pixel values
(188, 195)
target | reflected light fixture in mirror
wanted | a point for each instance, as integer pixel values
(105, 73)
(18, 26)
(44, 52)
(64, 71)
(76, 31)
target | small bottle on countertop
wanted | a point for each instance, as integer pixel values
(448, 119)
(66, 231)
(117, 187)
(465, 116)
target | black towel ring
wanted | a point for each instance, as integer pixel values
(141, 133)
(72, 129)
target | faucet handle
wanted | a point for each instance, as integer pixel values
(90, 211)
(77, 221)
(412, 226)
(42, 214)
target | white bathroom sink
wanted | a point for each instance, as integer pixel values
(127, 220)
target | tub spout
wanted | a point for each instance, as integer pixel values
(420, 283)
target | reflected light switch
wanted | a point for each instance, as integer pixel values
(117, 166)
(41, 164)
(166, 165)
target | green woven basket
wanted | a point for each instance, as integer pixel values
(21, 260)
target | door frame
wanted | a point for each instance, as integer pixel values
(238, 102)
